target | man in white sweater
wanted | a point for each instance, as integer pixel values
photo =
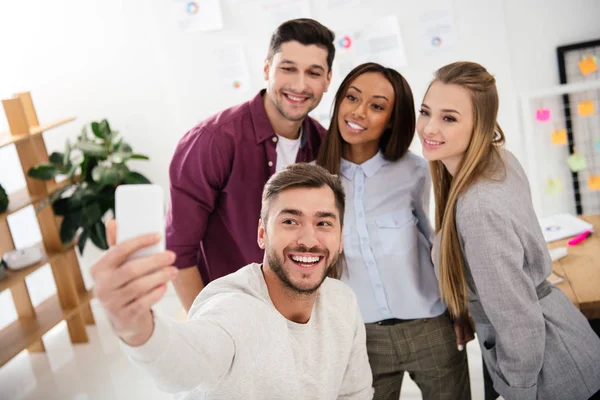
(277, 330)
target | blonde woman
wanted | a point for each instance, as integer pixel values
(490, 253)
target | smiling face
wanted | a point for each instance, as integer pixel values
(297, 76)
(445, 124)
(365, 111)
(301, 238)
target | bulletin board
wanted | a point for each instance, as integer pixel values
(579, 63)
(562, 147)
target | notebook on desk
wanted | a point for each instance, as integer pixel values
(562, 226)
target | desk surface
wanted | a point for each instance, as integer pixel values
(581, 270)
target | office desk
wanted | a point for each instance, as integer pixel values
(580, 270)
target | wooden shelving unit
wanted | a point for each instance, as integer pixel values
(71, 302)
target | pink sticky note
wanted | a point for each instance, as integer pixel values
(542, 114)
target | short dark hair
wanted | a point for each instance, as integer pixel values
(302, 175)
(396, 139)
(306, 31)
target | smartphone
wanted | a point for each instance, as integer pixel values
(139, 210)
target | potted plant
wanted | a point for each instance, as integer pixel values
(94, 165)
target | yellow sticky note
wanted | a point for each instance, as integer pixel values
(594, 182)
(587, 65)
(559, 137)
(576, 162)
(586, 108)
(554, 186)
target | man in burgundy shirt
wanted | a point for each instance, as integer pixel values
(221, 165)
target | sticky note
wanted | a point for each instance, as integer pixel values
(542, 114)
(587, 65)
(576, 162)
(586, 108)
(594, 182)
(559, 137)
(554, 186)
(597, 145)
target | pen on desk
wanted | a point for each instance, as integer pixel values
(580, 238)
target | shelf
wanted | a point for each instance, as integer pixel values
(18, 201)
(21, 199)
(35, 130)
(14, 277)
(27, 331)
(24, 332)
(6, 138)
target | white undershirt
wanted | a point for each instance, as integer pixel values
(287, 151)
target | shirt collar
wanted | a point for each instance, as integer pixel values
(263, 129)
(369, 167)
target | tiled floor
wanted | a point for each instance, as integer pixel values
(99, 371)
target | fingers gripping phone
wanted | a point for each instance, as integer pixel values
(139, 210)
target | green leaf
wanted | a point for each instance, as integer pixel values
(83, 237)
(81, 196)
(106, 199)
(125, 148)
(133, 178)
(89, 163)
(57, 159)
(138, 157)
(43, 172)
(106, 175)
(96, 130)
(92, 149)
(105, 128)
(69, 226)
(63, 206)
(98, 235)
(91, 214)
(116, 145)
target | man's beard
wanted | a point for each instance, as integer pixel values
(287, 116)
(276, 265)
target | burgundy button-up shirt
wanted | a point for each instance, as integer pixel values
(217, 176)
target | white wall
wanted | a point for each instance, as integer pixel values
(126, 60)
(536, 27)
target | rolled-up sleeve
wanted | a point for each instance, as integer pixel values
(198, 171)
(495, 257)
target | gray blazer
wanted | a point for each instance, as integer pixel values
(534, 341)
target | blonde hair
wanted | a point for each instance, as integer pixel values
(477, 160)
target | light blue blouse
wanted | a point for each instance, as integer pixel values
(387, 238)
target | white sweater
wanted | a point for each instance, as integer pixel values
(236, 345)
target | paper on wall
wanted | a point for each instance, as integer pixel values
(198, 15)
(438, 30)
(232, 68)
(379, 41)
